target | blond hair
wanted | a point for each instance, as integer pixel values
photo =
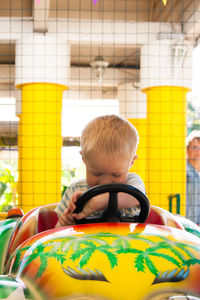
(109, 134)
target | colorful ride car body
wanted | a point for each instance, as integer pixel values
(100, 261)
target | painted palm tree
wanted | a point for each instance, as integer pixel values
(80, 250)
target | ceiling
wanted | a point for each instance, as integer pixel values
(176, 11)
(43, 13)
(124, 10)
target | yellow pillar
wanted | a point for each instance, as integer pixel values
(166, 75)
(42, 73)
(166, 130)
(40, 143)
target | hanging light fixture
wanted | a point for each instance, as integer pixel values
(178, 54)
(99, 66)
(164, 2)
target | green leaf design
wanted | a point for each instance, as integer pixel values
(185, 248)
(17, 261)
(83, 261)
(60, 257)
(40, 248)
(176, 252)
(111, 256)
(152, 268)
(192, 230)
(43, 266)
(192, 261)
(104, 235)
(167, 257)
(30, 259)
(66, 244)
(121, 243)
(111, 245)
(78, 246)
(140, 263)
(18, 258)
(78, 254)
(128, 250)
(138, 236)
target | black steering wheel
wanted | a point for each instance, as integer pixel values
(112, 213)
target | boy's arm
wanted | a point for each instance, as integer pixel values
(100, 202)
(125, 201)
(65, 219)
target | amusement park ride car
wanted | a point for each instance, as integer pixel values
(154, 255)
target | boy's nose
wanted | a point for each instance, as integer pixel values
(105, 180)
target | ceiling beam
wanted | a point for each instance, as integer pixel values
(41, 15)
(80, 76)
(111, 33)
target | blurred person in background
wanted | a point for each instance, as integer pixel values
(193, 177)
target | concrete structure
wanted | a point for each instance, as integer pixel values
(139, 40)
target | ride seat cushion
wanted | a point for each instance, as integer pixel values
(154, 218)
(47, 219)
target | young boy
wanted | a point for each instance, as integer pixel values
(108, 148)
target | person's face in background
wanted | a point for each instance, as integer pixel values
(193, 150)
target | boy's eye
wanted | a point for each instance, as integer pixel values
(116, 175)
(97, 174)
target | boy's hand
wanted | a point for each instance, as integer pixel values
(96, 203)
(88, 209)
(72, 202)
(66, 219)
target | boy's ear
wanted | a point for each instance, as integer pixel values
(134, 158)
(83, 159)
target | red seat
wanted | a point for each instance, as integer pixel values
(37, 220)
(160, 216)
(47, 219)
(154, 217)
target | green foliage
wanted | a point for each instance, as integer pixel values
(3, 187)
(8, 185)
(72, 167)
(67, 176)
(9, 177)
(193, 118)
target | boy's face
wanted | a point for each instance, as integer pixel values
(104, 171)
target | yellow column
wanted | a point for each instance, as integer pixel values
(166, 78)
(166, 128)
(40, 143)
(42, 67)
